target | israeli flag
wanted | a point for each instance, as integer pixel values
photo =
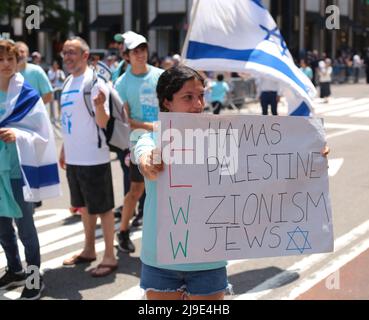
(241, 36)
(26, 115)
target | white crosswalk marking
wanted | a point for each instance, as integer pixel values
(72, 245)
(65, 238)
(58, 238)
(341, 107)
(304, 264)
(337, 107)
(361, 115)
(334, 166)
(349, 110)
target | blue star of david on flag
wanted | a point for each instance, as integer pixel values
(298, 240)
(273, 35)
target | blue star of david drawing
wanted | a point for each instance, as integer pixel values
(273, 35)
(302, 236)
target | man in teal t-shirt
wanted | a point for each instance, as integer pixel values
(219, 91)
(34, 74)
(138, 92)
(137, 88)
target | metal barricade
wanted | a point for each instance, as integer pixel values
(242, 91)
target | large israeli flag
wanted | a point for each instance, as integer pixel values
(241, 36)
(26, 115)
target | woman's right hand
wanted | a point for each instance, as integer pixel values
(150, 169)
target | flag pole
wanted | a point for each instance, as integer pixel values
(193, 15)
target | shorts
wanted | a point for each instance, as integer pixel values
(91, 187)
(135, 174)
(198, 283)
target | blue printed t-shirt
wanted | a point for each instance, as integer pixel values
(37, 79)
(139, 91)
(218, 91)
(145, 144)
(15, 171)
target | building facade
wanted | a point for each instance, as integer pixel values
(302, 23)
(165, 23)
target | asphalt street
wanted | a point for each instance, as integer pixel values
(319, 276)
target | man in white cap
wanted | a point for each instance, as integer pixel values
(137, 88)
(124, 155)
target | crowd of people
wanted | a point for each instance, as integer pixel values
(145, 86)
(85, 156)
(323, 71)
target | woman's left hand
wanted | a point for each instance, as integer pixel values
(151, 165)
(325, 151)
(7, 135)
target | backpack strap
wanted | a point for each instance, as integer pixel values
(87, 99)
(123, 68)
(66, 81)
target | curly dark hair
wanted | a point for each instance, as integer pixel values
(172, 80)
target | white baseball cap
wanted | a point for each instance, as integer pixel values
(131, 39)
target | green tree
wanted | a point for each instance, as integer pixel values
(55, 15)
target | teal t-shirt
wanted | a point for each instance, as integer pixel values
(145, 144)
(139, 91)
(116, 74)
(219, 91)
(8, 206)
(37, 78)
(15, 171)
(308, 72)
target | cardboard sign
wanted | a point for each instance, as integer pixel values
(242, 187)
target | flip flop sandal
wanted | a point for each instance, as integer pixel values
(109, 269)
(77, 259)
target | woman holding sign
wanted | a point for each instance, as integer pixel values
(179, 89)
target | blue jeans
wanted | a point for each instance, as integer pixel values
(199, 283)
(26, 230)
